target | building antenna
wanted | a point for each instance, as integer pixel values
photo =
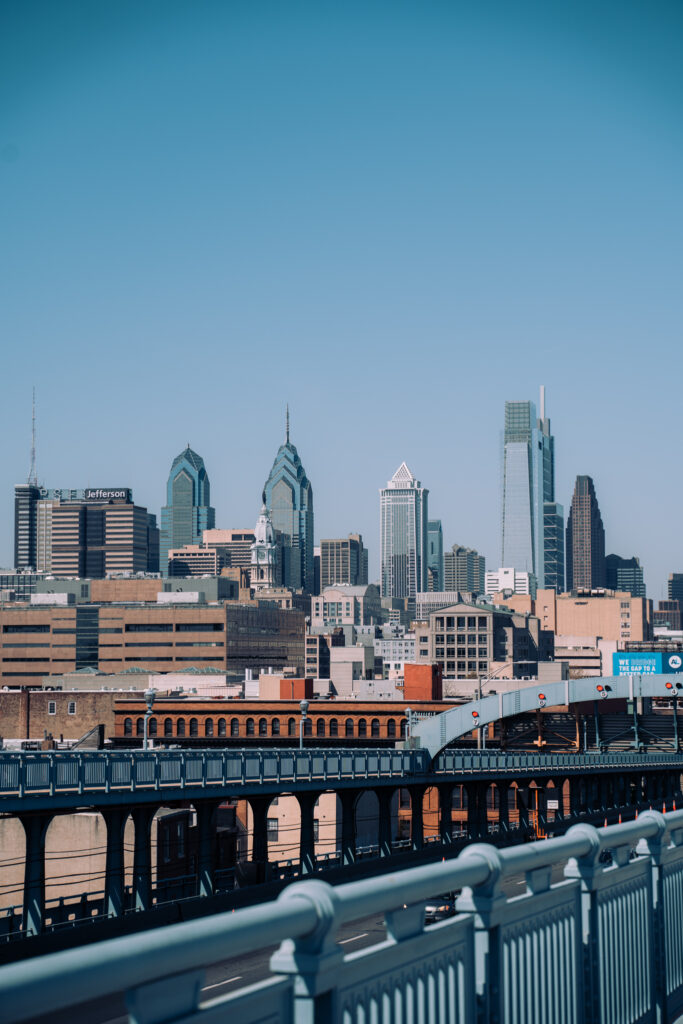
(32, 478)
(287, 423)
(542, 401)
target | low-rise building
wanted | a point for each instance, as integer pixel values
(346, 605)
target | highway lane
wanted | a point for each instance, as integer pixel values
(238, 972)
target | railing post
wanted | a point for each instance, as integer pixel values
(384, 796)
(486, 903)
(307, 803)
(142, 857)
(347, 798)
(653, 847)
(115, 818)
(35, 829)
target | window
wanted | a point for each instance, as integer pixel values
(127, 722)
(262, 727)
(222, 727)
(320, 727)
(391, 728)
(403, 798)
(272, 829)
(482, 622)
(152, 727)
(194, 727)
(349, 727)
(208, 727)
(275, 727)
(404, 726)
(168, 727)
(71, 707)
(334, 727)
(250, 727)
(362, 727)
(140, 727)
(291, 727)
(374, 727)
(308, 726)
(234, 727)
(199, 627)
(181, 727)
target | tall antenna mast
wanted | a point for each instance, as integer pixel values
(32, 477)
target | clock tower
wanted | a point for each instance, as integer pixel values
(264, 554)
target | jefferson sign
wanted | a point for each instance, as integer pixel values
(107, 493)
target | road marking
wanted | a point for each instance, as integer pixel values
(353, 938)
(219, 983)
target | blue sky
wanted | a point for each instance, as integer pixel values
(392, 215)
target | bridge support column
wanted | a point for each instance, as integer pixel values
(503, 807)
(416, 817)
(35, 829)
(472, 810)
(116, 818)
(307, 802)
(603, 790)
(259, 842)
(558, 794)
(384, 797)
(142, 857)
(574, 797)
(523, 805)
(446, 814)
(347, 798)
(205, 820)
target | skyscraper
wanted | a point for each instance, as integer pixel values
(434, 555)
(403, 535)
(464, 570)
(343, 560)
(625, 574)
(288, 497)
(532, 521)
(585, 539)
(187, 512)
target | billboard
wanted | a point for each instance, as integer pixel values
(107, 494)
(646, 663)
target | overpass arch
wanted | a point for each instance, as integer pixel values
(435, 732)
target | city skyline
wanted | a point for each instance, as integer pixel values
(327, 207)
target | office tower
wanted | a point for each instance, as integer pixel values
(26, 498)
(625, 574)
(532, 521)
(434, 555)
(668, 615)
(343, 560)
(498, 580)
(100, 535)
(188, 510)
(288, 497)
(585, 539)
(464, 570)
(403, 536)
(675, 586)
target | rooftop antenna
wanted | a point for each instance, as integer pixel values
(32, 478)
(287, 421)
(542, 401)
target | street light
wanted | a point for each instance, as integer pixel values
(304, 708)
(149, 698)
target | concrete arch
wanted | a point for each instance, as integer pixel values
(436, 732)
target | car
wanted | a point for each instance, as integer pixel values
(439, 908)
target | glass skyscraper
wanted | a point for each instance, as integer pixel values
(585, 539)
(288, 496)
(532, 521)
(403, 536)
(188, 510)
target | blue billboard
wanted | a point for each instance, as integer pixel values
(646, 663)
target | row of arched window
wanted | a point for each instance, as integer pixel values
(259, 727)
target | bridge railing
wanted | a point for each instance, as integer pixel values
(91, 772)
(603, 944)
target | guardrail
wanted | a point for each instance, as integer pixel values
(604, 944)
(55, 772)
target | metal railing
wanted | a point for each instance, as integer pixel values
(604, 944)
(50, 773)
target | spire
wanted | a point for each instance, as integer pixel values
(287, 423)
(542, 401)
(32, 477)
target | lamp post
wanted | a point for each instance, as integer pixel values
(304, 708)
(149, 698)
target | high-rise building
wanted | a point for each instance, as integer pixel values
(233, 545)
(625, 574)
(26, 498)
(403, 536)
(668, 615)
(434, 555)
(187, 512)
(100, 535)
(585, 539)
(532, 521)
(675, 587)
(288, 496)
(464, 570)
(343, 560)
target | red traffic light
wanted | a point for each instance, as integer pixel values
(600, 688)
(669, 686)
(541, 696)
(475, 714)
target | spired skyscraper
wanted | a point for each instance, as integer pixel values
(187, 512)
(404, 551)
(288, 497)
(533, 522)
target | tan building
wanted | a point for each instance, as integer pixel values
(346, 606)
(196, 560)
(233, 545)
(91, 539)
(612, 615)
(343, 560)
